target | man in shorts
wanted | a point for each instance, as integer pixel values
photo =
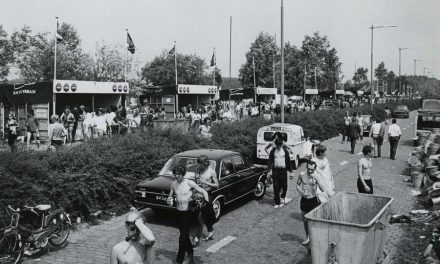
(137, 247)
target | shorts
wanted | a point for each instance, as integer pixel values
(308, 204)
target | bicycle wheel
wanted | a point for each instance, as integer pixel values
(61, 235)
(11, 248)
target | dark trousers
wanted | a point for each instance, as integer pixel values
(361, 187)
(279, 177)
(352, 144)
(184, 218)
(393, 146)
(208, 216)
(344, 133)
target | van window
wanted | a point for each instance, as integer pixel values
(270, 136)
(302, 135)
(227, 167)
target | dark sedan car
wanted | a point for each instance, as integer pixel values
(236, 180)
(401, 111)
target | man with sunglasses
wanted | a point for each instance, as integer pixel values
(138, 244)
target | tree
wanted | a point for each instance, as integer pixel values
(190, 70)
(6, 54)
(360, 76)
(318, 55)
(262, 54)
(34, 55)
(381, 72)
(109, 63)
(293, 69)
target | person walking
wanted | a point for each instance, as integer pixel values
(137, 246)
(364, 182)
(182, 189)
(394, 134)
(377, 133)
(279, 165)
(307, 186)
(353, 133)
(387, 115)
(345, 128)
(323, 169)
(12, 128)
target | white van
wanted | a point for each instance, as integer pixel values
(293, 137)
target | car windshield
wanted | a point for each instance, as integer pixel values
(189, 163)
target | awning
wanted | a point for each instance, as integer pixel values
(31, 93)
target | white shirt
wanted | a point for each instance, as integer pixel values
(375, 129)
(100, 122)
(394, 130)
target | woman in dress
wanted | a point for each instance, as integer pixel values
(12, 126)
(323, 169)
(80, 131)
(205, 129)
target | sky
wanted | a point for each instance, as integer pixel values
(198, 26)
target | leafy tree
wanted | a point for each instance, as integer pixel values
(190, 70)
(6, 54)
(34, 55)
(381, 72)
(109, 63)
(263, 51)
(360, 76)
(318, 54)
(293, 70)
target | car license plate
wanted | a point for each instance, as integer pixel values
(161, 198)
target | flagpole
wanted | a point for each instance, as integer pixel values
(126, 59)
(255, 84)
(175, 60)
(55, 58)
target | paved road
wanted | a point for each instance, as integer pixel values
(262, 234)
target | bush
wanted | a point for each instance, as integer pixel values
(102, 174)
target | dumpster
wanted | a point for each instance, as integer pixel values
(349, 229)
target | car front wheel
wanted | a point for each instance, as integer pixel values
(260, 189)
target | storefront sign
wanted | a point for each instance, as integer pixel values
(196, 89)
(340, 92)
(311, 91)
(269, 91)
(87, 87)
(360, 92)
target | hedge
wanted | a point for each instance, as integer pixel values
(102, 174)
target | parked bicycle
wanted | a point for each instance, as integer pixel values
(30, 230)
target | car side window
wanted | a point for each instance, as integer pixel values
(227, 167)
(238, 163)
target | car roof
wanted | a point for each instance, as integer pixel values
(285, 125)
(213, 154)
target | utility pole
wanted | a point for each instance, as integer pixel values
(400, 81)
(282, 61)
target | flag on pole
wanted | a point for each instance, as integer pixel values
(172, 51)
(213, 59)
(130, 43)
(59, 38)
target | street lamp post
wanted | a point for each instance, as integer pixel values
(371, 66)
(400, 82)
(282, 61)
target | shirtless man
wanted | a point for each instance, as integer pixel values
(136, 249)
(206, 177)
(181, 188)
(307, 186)
(364, 183)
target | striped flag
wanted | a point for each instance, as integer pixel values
(172, 51)
(130, 43)
(59, 38)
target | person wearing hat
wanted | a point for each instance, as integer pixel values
(137, 246)
(279, 164)
(182, 189)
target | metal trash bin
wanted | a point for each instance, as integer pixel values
(350, 229)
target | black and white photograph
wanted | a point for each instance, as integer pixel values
(219, 132)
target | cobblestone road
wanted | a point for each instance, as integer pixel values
(263, 234)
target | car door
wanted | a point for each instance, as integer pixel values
(228, 180)
(246, 178)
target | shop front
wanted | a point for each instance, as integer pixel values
(88, 93)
